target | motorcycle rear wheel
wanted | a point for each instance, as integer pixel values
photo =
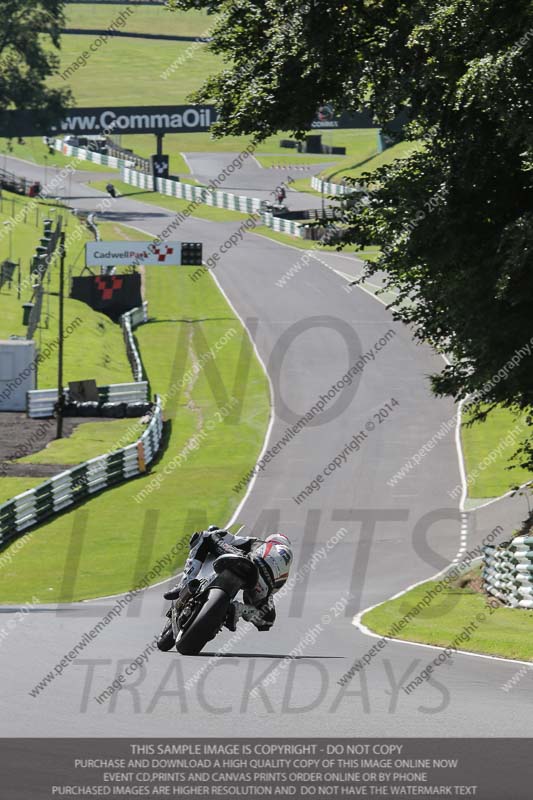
(205, 625)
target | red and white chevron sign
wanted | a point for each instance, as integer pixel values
(106, 254)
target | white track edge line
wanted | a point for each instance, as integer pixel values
(188, 164)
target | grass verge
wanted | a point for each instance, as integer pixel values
(132, 71)
(157, 19)
(93, 334)
(302, 244)
(35, 151)
(269, 153)
(88, 440)
(369, 161)
(506, 632)
(488, 447)
(369, 254)
(114, 231)
(120, 538)
(357, 143)
(9, 487)
(25, 235)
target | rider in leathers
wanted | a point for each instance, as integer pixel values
(272, 558)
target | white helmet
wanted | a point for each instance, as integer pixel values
(276, 554)
(279, 538)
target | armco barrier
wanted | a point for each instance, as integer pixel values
(41, 402)
(194, 194)
(128, 156)
(89, 155)
(283, 225)
(210, 197)
(63, 490)
(335, 189)
(129, 321)
(199, 194)
(508, 572)
(135, 178)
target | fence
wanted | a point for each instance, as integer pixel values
(508, 572)
(41, 402)
(283, 225)
(200, 194)
(129, 321)
(313, 214)
(7, 273)
(138, 179)
(63, 490)
(12, 183)
(128, 156)
(40, 263)
(195, 194)
(210, 197)
(89, 219)
(85, 154)
(335, 189)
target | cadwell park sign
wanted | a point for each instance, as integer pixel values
(100, 254)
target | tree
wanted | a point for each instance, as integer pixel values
(455, 218)
(27, 28)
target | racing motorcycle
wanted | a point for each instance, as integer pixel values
(200, 611)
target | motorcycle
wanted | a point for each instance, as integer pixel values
(199, 613)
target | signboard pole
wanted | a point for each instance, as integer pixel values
(60, 395)
(160, 161)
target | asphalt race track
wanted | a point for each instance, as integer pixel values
(253, 180)
(394, 537)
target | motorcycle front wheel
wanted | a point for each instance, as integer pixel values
(166, 641)
(205, 625)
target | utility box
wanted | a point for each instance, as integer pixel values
(17, 373)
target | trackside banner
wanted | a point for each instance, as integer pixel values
(106, 254)
(108, 120)
(160, 119)
(327, 118)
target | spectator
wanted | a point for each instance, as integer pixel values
(35, 189)
(281, 194)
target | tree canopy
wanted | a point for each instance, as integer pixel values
(455, 218)
(27, 29)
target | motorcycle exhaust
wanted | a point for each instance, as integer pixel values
(188, 592)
